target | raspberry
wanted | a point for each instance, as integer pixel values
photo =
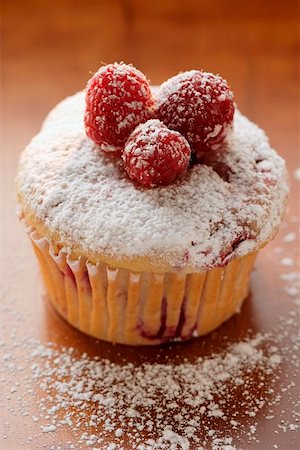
(118, 98)
(155, 155)
(199, 105)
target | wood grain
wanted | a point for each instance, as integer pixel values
(48, 50)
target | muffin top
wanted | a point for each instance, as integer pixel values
(81, 199)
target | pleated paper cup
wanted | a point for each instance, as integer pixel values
(144, 308)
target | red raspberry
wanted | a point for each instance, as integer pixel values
(155, 155)
(118, 98)
(199, 105)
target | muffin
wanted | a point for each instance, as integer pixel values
(142, 266)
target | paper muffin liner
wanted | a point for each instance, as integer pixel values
(144, 308)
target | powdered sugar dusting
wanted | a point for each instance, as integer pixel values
(77, 191)
(297, 173)
(151, 406)
(290, 237)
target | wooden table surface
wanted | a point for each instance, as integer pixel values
(49, 49)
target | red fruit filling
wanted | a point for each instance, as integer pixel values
(118, 98)
(214, 160)
(199, 105)
(227, 254)
(155, 155)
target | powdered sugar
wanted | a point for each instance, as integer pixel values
(297, 173)
(86, 198)
(48, 428)
(151, 406)
(292, 287)
(287, 262)
(290, 237)
(215, 132)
